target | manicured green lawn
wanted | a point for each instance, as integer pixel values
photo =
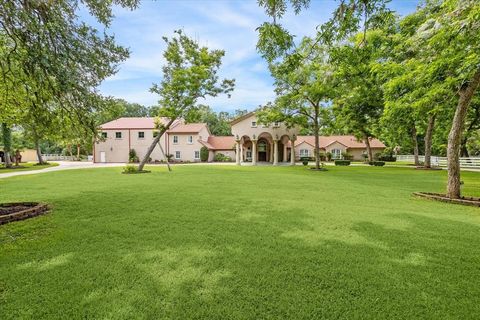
(27, 166)
(227, 242)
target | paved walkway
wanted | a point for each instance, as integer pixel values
(63, 165)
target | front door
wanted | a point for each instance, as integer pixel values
(262, 156)
(103, 159)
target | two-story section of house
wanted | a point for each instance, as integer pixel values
(184, 141)
(119, 136)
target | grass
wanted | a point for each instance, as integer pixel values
(216, 242)
(27, 166)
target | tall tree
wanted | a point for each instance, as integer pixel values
(304, 87)
(190, 74)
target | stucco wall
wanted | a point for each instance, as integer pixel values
(116, 150)
(244, 127)
(187, 150)
(228, 153)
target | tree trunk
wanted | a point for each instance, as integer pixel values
(454, 137)
(367, 145)
(428, 141)
(39, 152)
(78, 152)
(415, 146)
(7, 144)
(463, 148)
(316, 131)
(154, 143)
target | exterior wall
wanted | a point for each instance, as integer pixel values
(358, 152)
(337, 146)
(303, 146)
(244, 128)
(29, 155)
(187, 150)
(116, 150)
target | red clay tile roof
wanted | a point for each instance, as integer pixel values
(132, 123)
(222, 142)
(188, 128)
(219, 143)
(348, 141)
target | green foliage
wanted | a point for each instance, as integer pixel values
(204, 154)
(220, 157)
(347, 156)
(132, 156)
(376, 163)
(342, 162)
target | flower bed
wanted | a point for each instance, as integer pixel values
(21, 210)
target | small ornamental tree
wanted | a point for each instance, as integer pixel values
(204, 154)
(190, 73)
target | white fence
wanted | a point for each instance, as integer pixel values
(473, 162)
(56, 157)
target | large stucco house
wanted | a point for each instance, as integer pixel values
(251, 142)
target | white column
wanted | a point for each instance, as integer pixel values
(254, 152)
(292, 153)
(241, 153)
(237, 153)
(275, 152)
(285, 156)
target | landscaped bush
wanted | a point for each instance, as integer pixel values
(347, 156)
(220, 157)
(323, 157)
(342, 162)
(304, 160)
(204, 154)
(387, 158)
(131, 169)
(132, 156)
(329, 156)
(377, 163)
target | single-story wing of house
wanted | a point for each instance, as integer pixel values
(251, 142)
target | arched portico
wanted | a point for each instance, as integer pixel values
(268, 143)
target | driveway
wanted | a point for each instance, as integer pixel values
(63, 165)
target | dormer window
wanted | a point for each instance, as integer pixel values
(254, 124)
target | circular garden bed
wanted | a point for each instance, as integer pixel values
(21, 210)
(467, 201)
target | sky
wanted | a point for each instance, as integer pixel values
(220, 24)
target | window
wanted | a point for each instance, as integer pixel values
(254, 124)
(190, 139)
(155, 134)
(249, 155)
(276, 124)
(118, 135)
(196, 155)
(175, 139)
(262, 146)
(304, 153)
(178, 155)
(141, 135)
(104, 135)
(336, 154)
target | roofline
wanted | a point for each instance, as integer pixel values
(337, 142)
(240, 118)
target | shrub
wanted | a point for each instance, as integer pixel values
(304, 160)
(132, 156)
(130, 169)
(347, 156)
(220, 157)
(365, 157)
(342, 162)
(204, 154)
(377, 163)
(323, 157)
(387, 158)
(329, 156)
